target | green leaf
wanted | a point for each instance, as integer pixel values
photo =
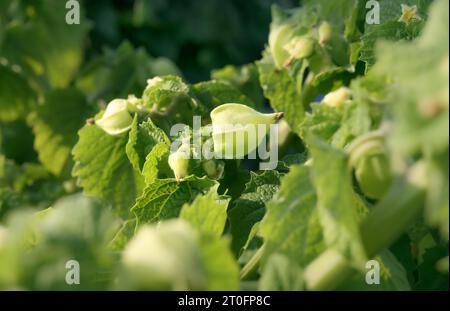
(392, 30)
(336, 12)
(249, 208)
(125, 233)
(234, 179)
(221, 269)
(215, 93)
(26, 185)
(156, 163)
(339, 126)
(281, 274)
(164, 198)
(142, 138)
(323, 121)
(245, 78)
(165, 93)
(393, 274)
(291, 225)
(16, 141)
(55, 125)
(281, 91)
(119, 73)
(103, 168)
(337, 206)
(207, 213)
(429, 278)
(16, 96)
(45, 45)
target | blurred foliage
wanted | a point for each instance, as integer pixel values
(197, 35)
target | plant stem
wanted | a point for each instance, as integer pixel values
(326, 271)
(252, 264)
(394, 214)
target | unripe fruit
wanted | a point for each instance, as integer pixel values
(239, 129)
(179, 161)
(300, 47)
(367, 155)
(337, 98)
(373, 175)
(117, 118)
(278, 37)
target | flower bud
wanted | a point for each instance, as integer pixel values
(337, 98)
(239, 129)
(214, 169)
(300, 47)
(325, 32)
(179, 161)
(278, 37)
(153, 81)
(373, 175)
(116, 119)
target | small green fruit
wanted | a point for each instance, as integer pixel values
(300, 47)
(117, 118)
(214, 169)
(337, 97)
(373, 175)
(179, 161)
(325, 33)
(368, 156)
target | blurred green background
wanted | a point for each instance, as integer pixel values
(197, 35)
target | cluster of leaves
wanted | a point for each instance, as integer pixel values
(310, 223)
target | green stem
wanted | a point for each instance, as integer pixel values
(326, 271)
(391, 218)
(252, 264)
(394, 214)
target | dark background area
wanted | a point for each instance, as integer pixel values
(198, 35)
